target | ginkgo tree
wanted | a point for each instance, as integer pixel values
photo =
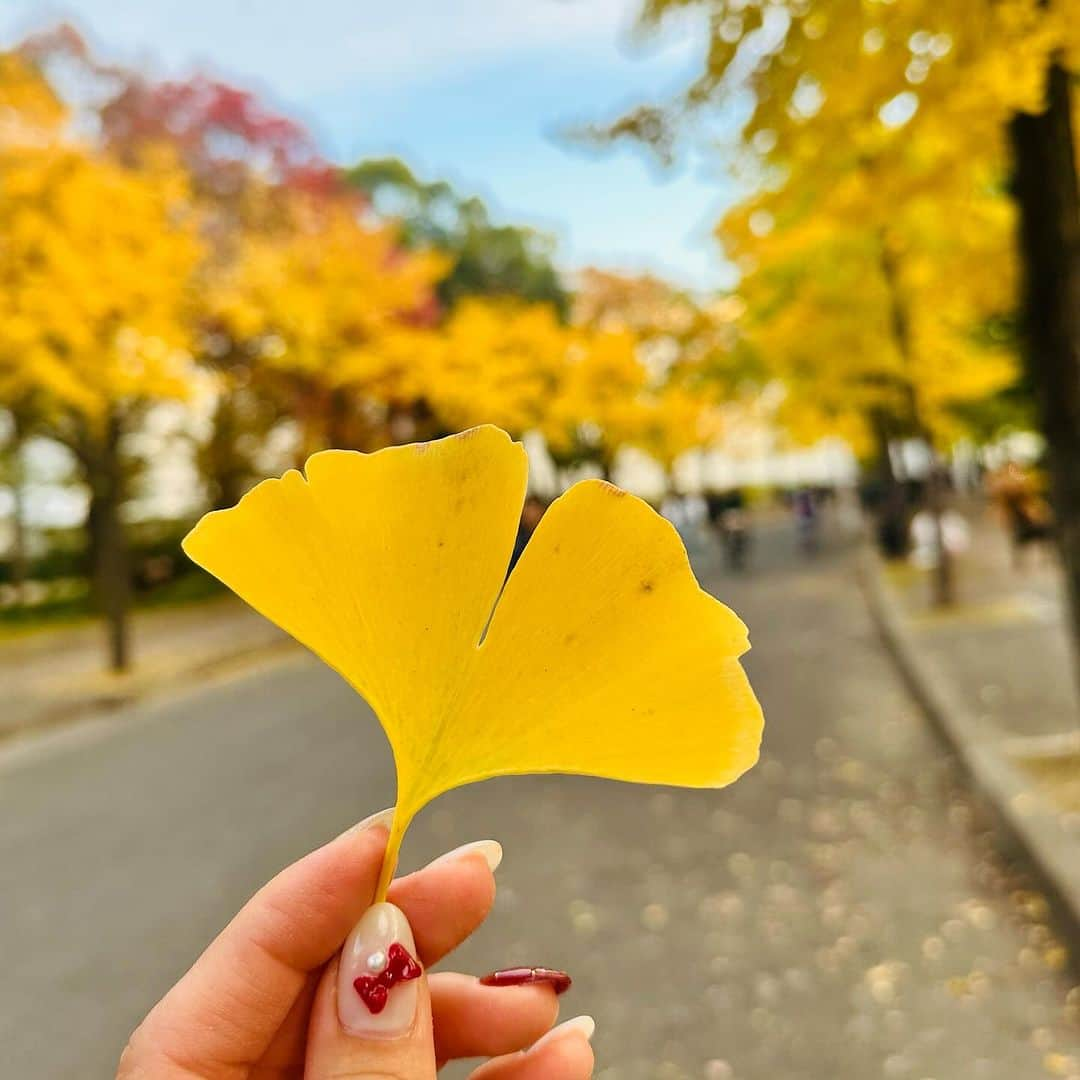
(192, 243)
(97, 262)
(876, 314)
(589, 388)
(875, 318)
(675, 360)
(248, 164)
(599, 407)
(31, 117)
(328, 308)
(245, 163)
(495, 360)
(823, 85)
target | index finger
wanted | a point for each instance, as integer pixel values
(226, 1010)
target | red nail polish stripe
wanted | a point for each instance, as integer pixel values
(559, 981)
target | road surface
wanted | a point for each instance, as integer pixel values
(837, 914)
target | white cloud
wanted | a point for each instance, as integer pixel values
(431, 34)
(314, 45)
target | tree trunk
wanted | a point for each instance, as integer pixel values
(18, 512)
(1045, 187)
(111, 570)
(311, 411)
(942, 581)
(881, 428)
(890, 507)
(225, 468)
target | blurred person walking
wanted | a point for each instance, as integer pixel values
(728, 516)
(807, 521)
(1025, 512)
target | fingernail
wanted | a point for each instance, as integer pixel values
(586, 1025)
(383, 817)
(377, 976)
(559, 981)
(491, 850)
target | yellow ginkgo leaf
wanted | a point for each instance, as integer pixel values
(601, 655)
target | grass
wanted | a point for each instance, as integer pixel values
(902, 574)
(190, 588)
(74, 606)
(1058, 778)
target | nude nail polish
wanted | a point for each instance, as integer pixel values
(490, 850)
(581, 1025)
(383, 817)
(377, 989)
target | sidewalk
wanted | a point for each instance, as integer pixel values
(993, 672)
(56, 676)
(1005, 645)
(1005, 641)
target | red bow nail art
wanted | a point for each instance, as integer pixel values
(400, 967)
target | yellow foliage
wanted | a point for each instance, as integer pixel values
(599, 405)
(869, 281)
(317, 296)
(30, 112)
(587, 387)
(878, 134)
(306, 308)
(499, 362)
(96, 262)
(667, 354)
(836, 65)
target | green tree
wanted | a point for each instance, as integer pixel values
(485, 259)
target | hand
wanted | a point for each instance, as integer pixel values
(276, 996)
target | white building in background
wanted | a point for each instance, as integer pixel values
(170, 486)
(753, 455)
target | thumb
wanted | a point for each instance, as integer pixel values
(372, 1012)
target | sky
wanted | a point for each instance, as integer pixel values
(479, 92)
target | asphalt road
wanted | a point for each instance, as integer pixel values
(837, 914)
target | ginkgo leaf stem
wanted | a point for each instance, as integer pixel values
(390, 859)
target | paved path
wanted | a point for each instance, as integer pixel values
(836, 915)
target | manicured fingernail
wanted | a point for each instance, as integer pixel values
(559, 981)
(383, 817)
(377, 987)
(491, 850)
(586, 1025)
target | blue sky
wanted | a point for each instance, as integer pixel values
(476, 91)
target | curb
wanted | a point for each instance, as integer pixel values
(1032, 827)
(223, 665)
